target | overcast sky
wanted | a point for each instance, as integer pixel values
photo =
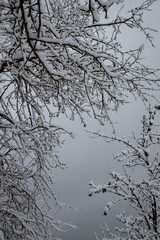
(90, 159)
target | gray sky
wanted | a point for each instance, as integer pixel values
(90, 159)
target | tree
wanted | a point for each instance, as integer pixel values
(55, 59)
(140, 191)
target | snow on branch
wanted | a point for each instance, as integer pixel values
(140, 192)
(68, 61)
(55, 60)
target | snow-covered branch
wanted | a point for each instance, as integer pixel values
(57, 58)
(141, 192)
